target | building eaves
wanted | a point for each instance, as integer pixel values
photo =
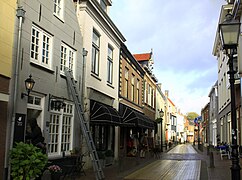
(217, 43)
(132, 59)
(106, 18)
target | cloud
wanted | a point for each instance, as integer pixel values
(181, 34)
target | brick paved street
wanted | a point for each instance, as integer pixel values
(195, 162)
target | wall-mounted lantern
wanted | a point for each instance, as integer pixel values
(29, 84)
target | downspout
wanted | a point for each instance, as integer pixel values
(9, 139)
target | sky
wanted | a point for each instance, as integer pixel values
(181, 34)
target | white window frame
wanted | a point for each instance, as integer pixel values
(41, 44)
(110, 65)
(137, 91)
(132, 88)
(56, 131)
(67, 58)
(95, 52)
(126, 82)
(59, 8)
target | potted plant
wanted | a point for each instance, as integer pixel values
(55, 172)
(109, 156)
(27, 161)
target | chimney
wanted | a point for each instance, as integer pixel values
(167, 93)
(230, 1)
(159, 85)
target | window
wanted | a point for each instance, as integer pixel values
(132, 88)
(60, 129)
(126, 82)
(103, 5)
(149, 94)
(145, 92)
(110, 65)
(137, 91)
(152, 97)
(58, 8)
(67, 57)
(95, 52)
(40, 52)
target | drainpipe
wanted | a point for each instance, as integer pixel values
(84, 54)
(9, 139)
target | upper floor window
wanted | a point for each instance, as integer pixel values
(126, 82)
(110, 65)
(132, 88)
(137, 91)
(95, 52)
(67, 57)
(41, 47)
(58, 8)
(145, 92)
(103, 5)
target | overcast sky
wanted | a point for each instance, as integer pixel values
(181, 34)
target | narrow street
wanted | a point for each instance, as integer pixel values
(182, 162)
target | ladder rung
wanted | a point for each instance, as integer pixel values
(71, 84)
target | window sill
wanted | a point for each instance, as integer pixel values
(96, 77)
(58, 17)
(110, 85)
(42, 67)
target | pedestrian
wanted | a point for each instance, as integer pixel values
(143, 145)
(35, 136)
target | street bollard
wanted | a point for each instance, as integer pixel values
(211, 160)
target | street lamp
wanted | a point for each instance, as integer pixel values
(29, 84)
(161, 113)
(229, 33)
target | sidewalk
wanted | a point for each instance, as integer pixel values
(221, 170)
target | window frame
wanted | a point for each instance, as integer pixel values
(72, 58)
(126, 82)
(137, 90)
(95, 53)
(110, 65)
(39, 46)
(60, 5)
(56, 131)
(132, 88)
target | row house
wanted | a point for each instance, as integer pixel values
(171, 134)
(204, 125)
(135, 122)
(189, 131)
(7, 20)
(180, 127)
(223, 85)
(149, 89)
(47, 39)
(213, 115)
(102, 40)
(161, 119)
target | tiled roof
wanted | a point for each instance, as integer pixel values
(171, 102)
(142, 57)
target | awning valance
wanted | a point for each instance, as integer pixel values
(104, 114)
(136, 119)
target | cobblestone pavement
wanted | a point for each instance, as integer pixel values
(177, 167)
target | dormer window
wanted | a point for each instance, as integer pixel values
(103, 5)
